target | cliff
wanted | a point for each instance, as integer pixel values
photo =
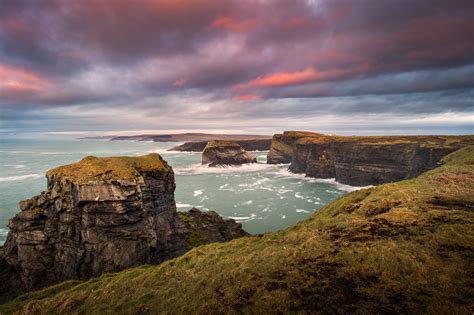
(362, 161)
(102, 215)
(282, 147)
(248, 145)
(404, 247)
(225, 153)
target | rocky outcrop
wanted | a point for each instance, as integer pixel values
(225, 153)
(248, 145)
(102, 215)
(282, 148)
(362, 161)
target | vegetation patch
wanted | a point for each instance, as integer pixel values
(93, 168)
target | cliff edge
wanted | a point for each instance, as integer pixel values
(102, 215)
(362, 161)
(404, 247)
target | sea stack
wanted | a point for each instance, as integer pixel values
(226, 153)
(102, 215)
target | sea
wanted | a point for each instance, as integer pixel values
(260, 196)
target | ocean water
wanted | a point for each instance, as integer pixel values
(262, 197)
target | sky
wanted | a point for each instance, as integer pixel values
(94, 67)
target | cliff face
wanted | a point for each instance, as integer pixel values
(282, 147)
(223, 153)
(362, 161)
(248, 145)
(102, 215)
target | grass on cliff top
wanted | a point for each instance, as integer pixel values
(222, 144)
(426, 141)
(405, 247)
(93, 168)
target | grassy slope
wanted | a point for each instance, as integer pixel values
(406, 246)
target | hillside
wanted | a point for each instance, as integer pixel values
(405, 247)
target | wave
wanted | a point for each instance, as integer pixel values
(302, 211)
(196, 169)
(183, 205)
(16, 178)
(252, 216)
(14, 165)
(198, 192)
(3, 232)
(282, 172)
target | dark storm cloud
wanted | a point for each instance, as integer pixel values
(237, 58)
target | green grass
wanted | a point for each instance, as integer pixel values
(405, 247)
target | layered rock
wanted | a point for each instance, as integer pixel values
(225, 153)
(102, 215)
(282, 148)
(362, 161)
(248, 145)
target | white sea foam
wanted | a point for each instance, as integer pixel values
(3, 232)
(252, 216)
(17, 178)
(183, 205)
(298, 195)
(239, 218)
(195, 169)
(302, 211)
(15, 165)
(247, 202)
(283, 172)
(198, 192)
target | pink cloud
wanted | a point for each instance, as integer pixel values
(20, 80)
(179, 82)
(230, 24)
(246, 97)
(308, 75)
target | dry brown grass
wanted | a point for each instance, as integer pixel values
(92, 168)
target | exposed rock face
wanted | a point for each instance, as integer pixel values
(225, 153)
(248, 145)
(102, 215)
(282, 148)
(362, 161)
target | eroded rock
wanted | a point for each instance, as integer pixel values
(102, 215)
(226, 153)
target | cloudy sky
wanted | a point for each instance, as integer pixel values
(262, 66)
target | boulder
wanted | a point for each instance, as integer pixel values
(225, 153)
(102, 215)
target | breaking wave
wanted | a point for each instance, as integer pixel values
(17, 178)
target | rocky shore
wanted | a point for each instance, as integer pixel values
(102, 215)
(361, 161)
